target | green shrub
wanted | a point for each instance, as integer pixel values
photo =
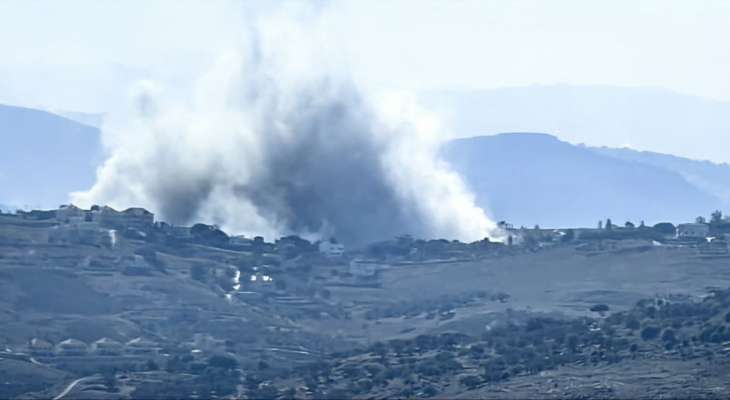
(650, 333)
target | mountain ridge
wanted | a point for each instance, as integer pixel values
(44, 156)
(554, 183)
(599, 115)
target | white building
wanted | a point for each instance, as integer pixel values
(107, 347)
(142, 346)
(72, 347)
(40, 347)
(692, 231)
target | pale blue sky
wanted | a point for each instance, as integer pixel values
(90, 49)
(84, 55)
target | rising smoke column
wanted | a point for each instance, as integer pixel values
(260, 153)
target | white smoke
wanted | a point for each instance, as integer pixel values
(261, 147)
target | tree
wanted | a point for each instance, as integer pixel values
(716, 217)
(665, 228)
(650, 333)
(701, 220)
(633, 324)
(209, 234)
(669, 335)
(629, 225)
(609, 224)
(223, 362)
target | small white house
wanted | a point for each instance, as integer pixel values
(72, 347)
(142, 346)
(107, 347)
(692, 231)
(40, 347)
(331, 248)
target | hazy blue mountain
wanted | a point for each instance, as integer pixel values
(637, 117)
(43, 157)
(90, 119)
(524, 178)
(711, 177)
(530, 178)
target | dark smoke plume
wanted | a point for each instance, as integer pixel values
(259, 153)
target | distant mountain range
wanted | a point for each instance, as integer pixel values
(635, 117)
(90, 119)
(523, 178)
(533, 178)
(44, 156)
(710, 177)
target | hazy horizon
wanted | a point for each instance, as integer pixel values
(78, 55)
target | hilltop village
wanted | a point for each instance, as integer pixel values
(102, 303)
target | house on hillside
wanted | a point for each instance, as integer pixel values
(70, 214)
(692, 231)
(107, 347)
(181, 232)
(331, 248)
(40, 347)
(36, 215)
(131, 218)
(138, 218)
(241, 242)
(142, 346)
(175, 232)
(206, 343)
(72, 347)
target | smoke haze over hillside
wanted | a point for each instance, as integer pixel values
(259, 149)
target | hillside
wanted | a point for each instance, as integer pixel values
(178, 313)
(91, 119)
(639, 117)
(710, 177)
(43, 157)
(528, 178)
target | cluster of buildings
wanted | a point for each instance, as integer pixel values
(99, 225)
(331, 248)
(102, 347)
(132, 218)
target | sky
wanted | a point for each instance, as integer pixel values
(86, 55)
